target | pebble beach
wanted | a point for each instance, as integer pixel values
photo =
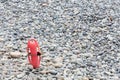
(79, 39)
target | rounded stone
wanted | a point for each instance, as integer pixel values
(15, 54)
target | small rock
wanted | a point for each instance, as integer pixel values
(76, 51)
(84, 34)
(86, 54)
(15, 54)
(1, 39)
(52, 23)
(53, 72)
(49, 63)
(44, 4)
(109, 37)
(104, 21)
(58, 59)
(57, 65)
(73, 58)
(76, 10)
(85, 78)
(11, 77)
(1, 53)
(20, 75)
(9, 45)
(45, 72)
(94, 29)
(60, 78)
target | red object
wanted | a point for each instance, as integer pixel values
(34, 55)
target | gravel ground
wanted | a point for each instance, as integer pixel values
(80, 39)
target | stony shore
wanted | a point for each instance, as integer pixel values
(79, 39)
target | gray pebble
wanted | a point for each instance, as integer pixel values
(53, 72)
(19, 76)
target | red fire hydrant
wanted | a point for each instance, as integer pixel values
(34, 54)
